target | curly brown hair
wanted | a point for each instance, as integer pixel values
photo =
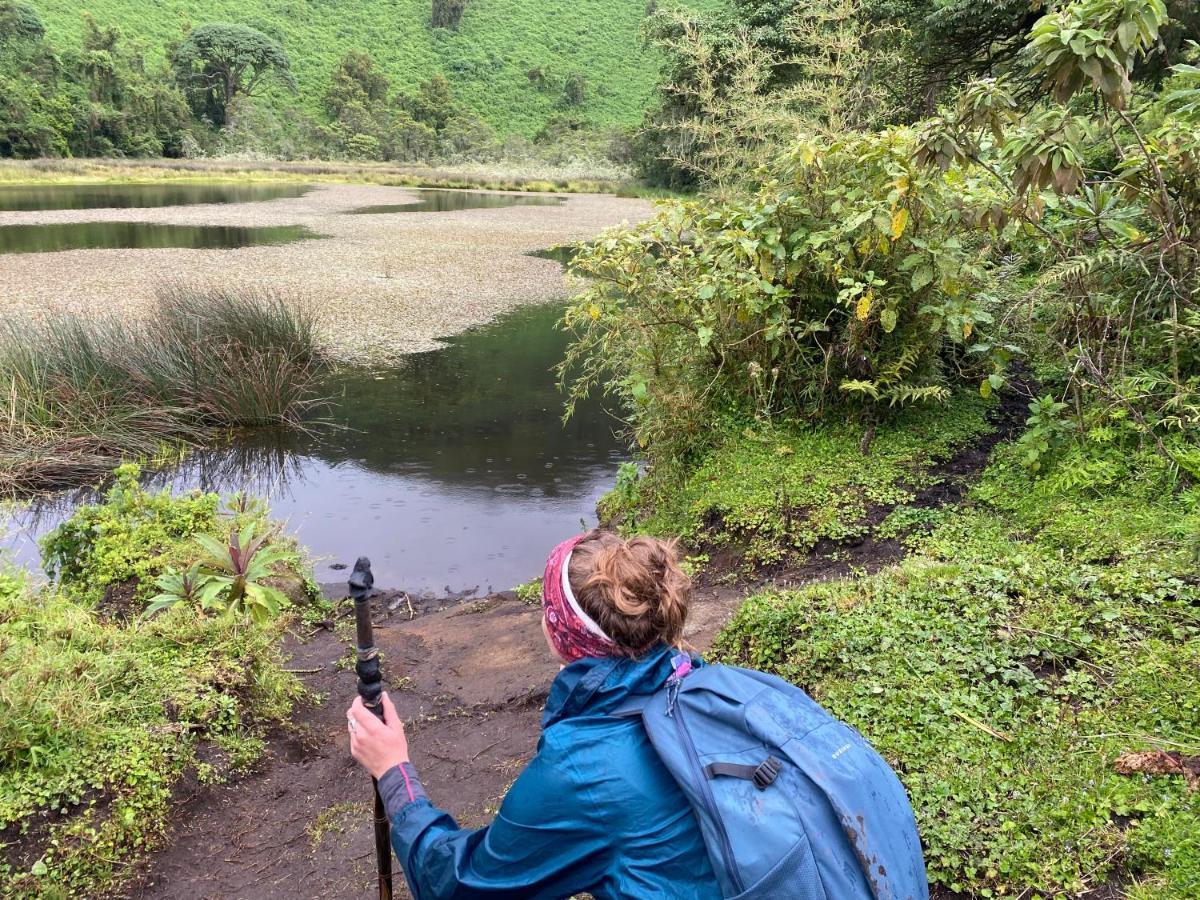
(634, 589)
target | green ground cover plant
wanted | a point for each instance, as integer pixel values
(103, 708)
(773, 490)
(1004, 667)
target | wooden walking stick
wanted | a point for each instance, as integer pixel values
(370, 688)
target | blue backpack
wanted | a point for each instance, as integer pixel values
(791, 802)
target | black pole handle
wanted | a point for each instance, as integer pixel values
(370, 688)
(370, 676)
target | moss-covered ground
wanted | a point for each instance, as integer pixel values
(773, 490)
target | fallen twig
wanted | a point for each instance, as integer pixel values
(983, 727)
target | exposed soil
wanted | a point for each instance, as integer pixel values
(470, 678)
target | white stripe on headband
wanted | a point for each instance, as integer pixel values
(587, 620)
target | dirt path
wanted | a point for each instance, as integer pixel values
(470, 679)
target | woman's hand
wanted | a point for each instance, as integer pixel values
(376, 745)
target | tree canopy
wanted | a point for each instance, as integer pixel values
(215, 63)
(19, 20)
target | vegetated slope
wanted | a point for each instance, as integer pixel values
(488, 59)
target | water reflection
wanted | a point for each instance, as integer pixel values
(450, 201)
(452, 472)
(50, 238)
(126, 196)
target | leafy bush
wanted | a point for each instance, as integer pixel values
(530, 592)
(102, 710)
(186, 546)
(99, 721)
(131, 535)
(852, 279)
(1115, 229)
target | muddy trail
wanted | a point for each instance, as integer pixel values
(469, 677)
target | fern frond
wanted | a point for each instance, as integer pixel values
(1077, 268)
(857, 386)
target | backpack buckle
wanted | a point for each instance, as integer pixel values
(766, 773)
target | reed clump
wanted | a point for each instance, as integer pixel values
(78, 395)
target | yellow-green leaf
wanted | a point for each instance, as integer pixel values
(863, 308)
(899, 222)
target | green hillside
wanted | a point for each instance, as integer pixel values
(487, 59)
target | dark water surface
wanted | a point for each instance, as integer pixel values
(50, 238)
(450, 473)
(436, 200)
(27, 197)
(142, 235)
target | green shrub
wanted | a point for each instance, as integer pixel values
(99, 721)
(131, 535)
(530, 592)
(103, 710)
(852, 280)
(138, 540)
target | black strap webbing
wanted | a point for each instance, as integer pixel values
(762, 775)
(730, 770)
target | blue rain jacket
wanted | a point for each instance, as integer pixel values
(595, 810)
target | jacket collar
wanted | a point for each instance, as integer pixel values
(598, 685)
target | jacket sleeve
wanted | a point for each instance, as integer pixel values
(545, 841)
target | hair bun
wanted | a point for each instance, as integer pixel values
(633, 588)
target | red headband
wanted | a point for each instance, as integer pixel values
(572, 631)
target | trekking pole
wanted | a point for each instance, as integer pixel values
(370, 688)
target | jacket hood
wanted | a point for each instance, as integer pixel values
(598, 685)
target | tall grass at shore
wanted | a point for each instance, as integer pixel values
(78, 395)
(515, 175)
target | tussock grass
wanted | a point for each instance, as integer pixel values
(78, 395)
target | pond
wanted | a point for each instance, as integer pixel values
(53, 237)
(27, 197)
(435, 200)
(452, 472)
